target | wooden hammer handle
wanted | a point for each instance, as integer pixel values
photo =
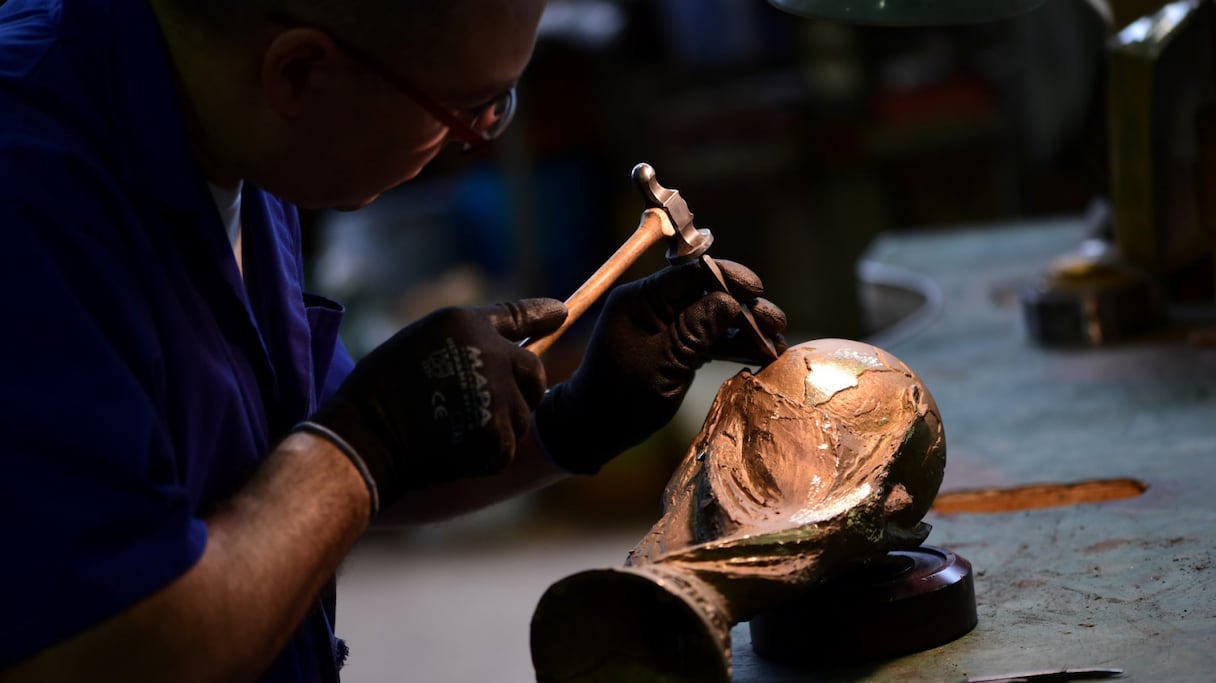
(654, 226)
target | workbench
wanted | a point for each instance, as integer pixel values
(1127, 584)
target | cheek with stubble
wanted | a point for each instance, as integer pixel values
(401, 160)
(386, 171)
(420, 157)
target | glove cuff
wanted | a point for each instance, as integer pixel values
(539, 439)
(570, 437)
(351, 454)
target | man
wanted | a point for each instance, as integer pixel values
(188, 453)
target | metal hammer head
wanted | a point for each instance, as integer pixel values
(688, 243)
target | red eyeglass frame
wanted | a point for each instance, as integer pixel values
(472, 137)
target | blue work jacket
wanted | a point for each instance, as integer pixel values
(143, 380)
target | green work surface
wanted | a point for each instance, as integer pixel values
(1126, 584)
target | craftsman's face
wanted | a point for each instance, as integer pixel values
(359, 135)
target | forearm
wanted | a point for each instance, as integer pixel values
(530, 470)
(270, 550)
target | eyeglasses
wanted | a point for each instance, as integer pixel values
(480, 126)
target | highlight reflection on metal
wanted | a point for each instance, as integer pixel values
(830, 455)
(1151, 29)
(908, 12)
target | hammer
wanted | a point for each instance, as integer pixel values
(667, 215)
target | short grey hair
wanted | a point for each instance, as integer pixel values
(380, 26)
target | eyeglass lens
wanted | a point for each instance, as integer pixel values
(497, 115)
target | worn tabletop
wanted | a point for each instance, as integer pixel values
(1128, 584)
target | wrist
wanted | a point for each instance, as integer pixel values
(542, 448)
(569, 434)
(312, 435)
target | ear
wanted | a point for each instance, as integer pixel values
(294, 63)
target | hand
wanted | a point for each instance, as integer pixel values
(649, 340)
(445, 398)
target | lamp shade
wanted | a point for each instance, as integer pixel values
(908, 12)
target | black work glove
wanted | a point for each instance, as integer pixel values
(445, 398)
(646, 346)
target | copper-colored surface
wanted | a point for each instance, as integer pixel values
(1035, 496)
(830, 455)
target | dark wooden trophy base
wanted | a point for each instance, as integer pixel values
(906, 601)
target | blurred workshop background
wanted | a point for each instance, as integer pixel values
(796, 141)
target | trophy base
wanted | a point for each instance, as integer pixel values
(906, 601)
